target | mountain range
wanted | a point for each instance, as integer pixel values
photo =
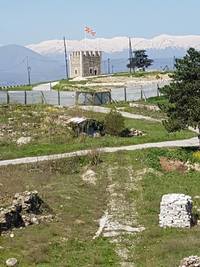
(118, 44)
(13, 66)
(46, 59)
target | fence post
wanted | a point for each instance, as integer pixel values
(110, 98)
(42, 97)
(125, 94)
(8, 98)
(58, 97)
(76, 98)
(141, 95)
(25, 98)
(158, 90)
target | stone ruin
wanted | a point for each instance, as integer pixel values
(176, 211)
(192, 261)
(27, 208)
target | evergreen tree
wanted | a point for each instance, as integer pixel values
(183, 109)
(140, 60)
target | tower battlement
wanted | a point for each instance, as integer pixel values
(85, 63)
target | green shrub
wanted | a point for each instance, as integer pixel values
(114, 123)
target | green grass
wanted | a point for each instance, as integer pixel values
(17, 88)
(50, 138)
(124, 106)
(157, 100)
(139, 74)
(70, 85)
(68, 240)
(157, 246)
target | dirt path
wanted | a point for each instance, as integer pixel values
(44, 86)
(193, 142)
(124, 114)
(120, 220)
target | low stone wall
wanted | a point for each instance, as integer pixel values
(176, 211)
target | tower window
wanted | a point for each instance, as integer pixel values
(91, 71)
(75, 71)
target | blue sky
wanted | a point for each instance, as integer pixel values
(31, 21)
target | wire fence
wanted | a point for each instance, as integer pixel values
(67, 98)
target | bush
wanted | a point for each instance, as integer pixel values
(114, 123)
(94, 157)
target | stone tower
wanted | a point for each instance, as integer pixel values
(85, 63)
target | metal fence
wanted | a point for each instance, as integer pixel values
(67, 98)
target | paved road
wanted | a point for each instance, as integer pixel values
(44, 86)
(124, 114)
(193, 142)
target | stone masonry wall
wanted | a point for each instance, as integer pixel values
(85, 63)
(176, 211)
(75, 69)
(91, 62)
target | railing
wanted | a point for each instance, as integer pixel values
(67, 98)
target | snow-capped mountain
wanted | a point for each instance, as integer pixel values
(117, 44)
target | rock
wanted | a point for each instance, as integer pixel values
(34, 220)
(176, 211)
(23, 141)
(147, 107)
(10, 218)
(89, 177)
(30, 202)
(96, 135)
(11, 262)
(192, 261)
(134, 132)
(131, 133)
(12, 235)
(26, 209)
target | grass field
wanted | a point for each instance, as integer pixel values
(49, 135)
(17, 88)
(77, 206)
(139, 74)
(156, 101)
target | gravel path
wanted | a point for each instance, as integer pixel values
(44, 86)
(178, 143)
(124, 114)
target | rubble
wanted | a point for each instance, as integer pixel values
(30, 202)
(134, 132)
(147, 107)
(176, 211)
(23, 141)
(192, 261)
(131, 133)
(26, 209)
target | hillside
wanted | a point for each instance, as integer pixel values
(13, 66)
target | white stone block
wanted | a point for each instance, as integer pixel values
(175, 211)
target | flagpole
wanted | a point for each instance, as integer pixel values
(85, 40)
(99, 44)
